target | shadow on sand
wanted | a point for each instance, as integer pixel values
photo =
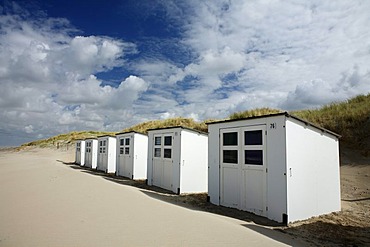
(196, 201)
(330, 234)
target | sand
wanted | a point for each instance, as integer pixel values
(45, 200)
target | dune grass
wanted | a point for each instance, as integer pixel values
(66, 139)
(350, 119)
(171, 122)
(254, 113)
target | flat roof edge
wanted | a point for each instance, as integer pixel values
(133, 131)
(107, 136)
(286, 114)
(181, 127)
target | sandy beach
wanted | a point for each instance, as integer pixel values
(46, 200)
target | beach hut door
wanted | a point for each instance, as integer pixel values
(243, 168)
(125, 157)
(163, 161)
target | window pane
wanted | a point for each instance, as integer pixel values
(168, 140)
(230, 139)
(121, 142)
(104, 143)
(127, 141)
(127, 150)
(120, 150)
(157, 140)
(103, 150)
(100, 150)
(230, 156)
(253, 137)
(253, 157)
(167, 153)
(157, 152)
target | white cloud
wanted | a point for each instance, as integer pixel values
(47, 79)
(237, 55)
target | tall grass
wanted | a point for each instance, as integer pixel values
(254, 113)
(171, 122)
(66, 139)
(351, 119)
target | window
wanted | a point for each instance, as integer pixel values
(157, 152)
(167, 153)
(121, 142)
(157, 140)
(168, 140)
(100, 150)
(104, 143)
(104, 150)
(127, 141)
(253, 137)
(127, 150)
(101, 143)
(230, 139)
(230, 156)
(253, 157)
(120, 150)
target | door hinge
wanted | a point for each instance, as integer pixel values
(265, 132)
(266, 170)
(267, 208)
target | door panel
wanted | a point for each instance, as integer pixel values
(163, 161)
(125, 161)
(243, 168)
(231, 188)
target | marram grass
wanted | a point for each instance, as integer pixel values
(350, 119)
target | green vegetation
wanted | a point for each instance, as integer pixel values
(66, 139)
(254, 113)
(171, 122)
(350, 119)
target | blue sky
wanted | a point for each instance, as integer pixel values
(107, 65)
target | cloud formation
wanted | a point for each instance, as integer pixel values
(226, 56)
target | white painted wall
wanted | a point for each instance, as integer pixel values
(80, 153)
(107, 161)
(140, 156)
(193, 162)
(189, 149)
(92, 156)
(137, 163)
(214, 163)
(276, 174)
(313, 171)
(311, 156)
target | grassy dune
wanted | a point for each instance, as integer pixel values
(171, 122)
(66, 139)
(350, 119)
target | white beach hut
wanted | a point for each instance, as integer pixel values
(106, 154)
(91, 155)
(132, 155)
(277, 166)
(177, 159)
(80, 152)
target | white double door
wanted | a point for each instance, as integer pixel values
(243, 168)
(125, 157)
(163, 161)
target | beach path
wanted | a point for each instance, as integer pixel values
(45, 200)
